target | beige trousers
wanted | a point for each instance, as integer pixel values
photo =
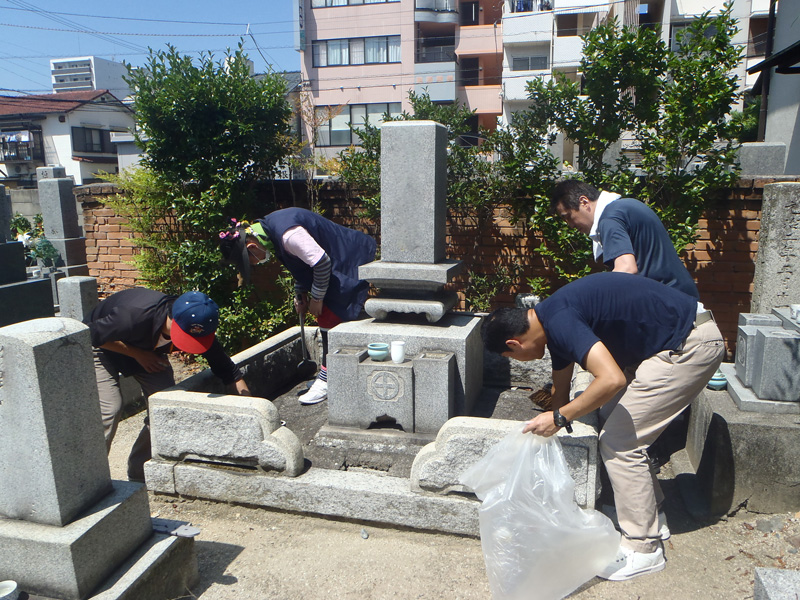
(662, 386)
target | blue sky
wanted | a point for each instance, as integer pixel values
(32, 32)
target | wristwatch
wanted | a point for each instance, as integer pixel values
(561, 421)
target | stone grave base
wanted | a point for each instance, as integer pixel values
(740, 457)
(746, 400)
(73, 561)
(355, 394)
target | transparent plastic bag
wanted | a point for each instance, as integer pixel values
(537, 542)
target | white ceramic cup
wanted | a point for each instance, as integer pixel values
(8, 590)
(398, 351)
(794, 310)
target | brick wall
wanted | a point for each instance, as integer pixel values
(722, 261)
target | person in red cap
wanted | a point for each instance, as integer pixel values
(132, 332)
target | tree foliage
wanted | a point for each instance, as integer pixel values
(672, 107)
(210, 132)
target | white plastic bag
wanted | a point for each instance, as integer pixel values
(537, 542)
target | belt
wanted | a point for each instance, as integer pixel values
(703, 318)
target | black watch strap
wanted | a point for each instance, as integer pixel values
(561, 421)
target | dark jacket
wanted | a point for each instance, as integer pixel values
(136, 317)
(347, 248)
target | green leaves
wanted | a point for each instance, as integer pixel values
(210, 132)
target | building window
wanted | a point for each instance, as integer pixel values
(356, 51)
(326, 3)
(336, 131)
(86, 139)
(529, 63)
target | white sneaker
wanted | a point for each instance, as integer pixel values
(316, 393)
(663, 529)
(629, 564)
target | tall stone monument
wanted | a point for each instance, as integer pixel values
(442, 373)
(65, 526)
(744, 443)
(60, 219)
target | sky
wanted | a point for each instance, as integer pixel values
(33, 32)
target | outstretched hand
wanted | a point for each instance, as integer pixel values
(542, 424)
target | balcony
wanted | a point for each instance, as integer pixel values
(567, 52)
(515, 84)
(479, 40)
(483, 99)
(436, 54)
(436, 11)
(522, 6)
(527, 28)
(19, 152)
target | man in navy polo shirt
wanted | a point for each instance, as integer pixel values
(627, 236)
(611, 323)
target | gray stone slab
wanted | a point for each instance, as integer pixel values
(779, 375)
(53, 463)
(777, 274)
(71, 561)
(346, 494)
(364, 391)
(77, 296)
(380, 308)
(410, 276)
(12, 263)
(413, 191)
(783, 313)
(50, 172)
(747, 401)
(758, 159)
(71, 251)
(456, 333)
(463, 441)
(25, 300)
(776, 584)
(743, 458)
(750, 351)
(5, 217)
(238, 430)
(163, 568)
(59, 209)
(759, 319)
(434, 400)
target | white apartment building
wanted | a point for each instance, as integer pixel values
(361, 57)
(89, 73)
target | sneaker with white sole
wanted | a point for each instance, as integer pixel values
(663, 529)
(316, 393)
(629, 564)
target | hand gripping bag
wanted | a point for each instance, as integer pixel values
(537, 542)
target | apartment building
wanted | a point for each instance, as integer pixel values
(360, 58)
(89, 73)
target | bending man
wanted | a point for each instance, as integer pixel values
(132, 332)
(610, 322)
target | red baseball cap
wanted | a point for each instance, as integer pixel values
(195, 318)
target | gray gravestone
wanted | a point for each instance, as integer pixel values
(5, 216)
(77, 296)
(413, 178)
(777, 275)
(60, 218)
(53, 461)
(778, 377)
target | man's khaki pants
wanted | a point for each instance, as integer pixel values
(662, 386)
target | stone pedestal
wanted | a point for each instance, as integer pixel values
(21, 299)
(65, 527)
(743, 457)
(456, 334)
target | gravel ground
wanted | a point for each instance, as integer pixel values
(255, 553)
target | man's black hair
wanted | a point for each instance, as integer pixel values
(568, 193)
(233, 246)
(501, 325)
